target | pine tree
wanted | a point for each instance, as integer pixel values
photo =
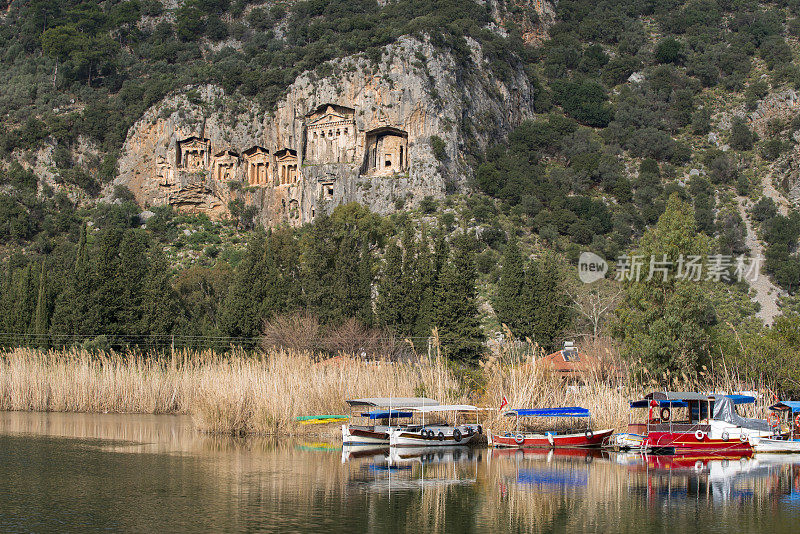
(457, 308)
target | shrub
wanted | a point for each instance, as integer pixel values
(741, 136)
(438, 147)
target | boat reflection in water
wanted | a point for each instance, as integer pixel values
(414, 468)
(715, 479)
(123, 465)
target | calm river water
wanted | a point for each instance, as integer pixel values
(129, 473)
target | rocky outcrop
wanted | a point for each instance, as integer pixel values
(363, 132)
(783, 105)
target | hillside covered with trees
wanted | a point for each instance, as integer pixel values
(660, 127)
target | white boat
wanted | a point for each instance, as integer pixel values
(775, 445)
(627, 441)
(435, 431)
(786, 430)
(382, 415)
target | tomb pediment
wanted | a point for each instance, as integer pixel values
(254, 151)
(286, 154)
(330, 109)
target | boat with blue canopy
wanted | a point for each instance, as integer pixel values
(785, 422)
(565, 435)
(686, 422)
(372, 419)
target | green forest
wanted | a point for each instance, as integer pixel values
(607, 165)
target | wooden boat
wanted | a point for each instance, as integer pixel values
(580, 438)
(705, 423)
(785, 421)
(436, 431)
(372, 427)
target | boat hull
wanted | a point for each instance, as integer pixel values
(434, 436)
(767, 445)
(683, 442)
(364, 436)
(628, 441)
(521, 440)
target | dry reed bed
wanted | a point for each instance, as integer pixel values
(240, 394)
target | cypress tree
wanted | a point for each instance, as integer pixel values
(364, 306)
(409, 284)
(319, 270)
(240, 315)
(389, 298)
(427, 288)
(511, 289)
(457, 308)
(41, 314)
(161, 310)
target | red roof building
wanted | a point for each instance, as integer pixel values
(570, 364)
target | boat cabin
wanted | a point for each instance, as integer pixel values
(385, 412)
(533, 418)
(682, 411)
(444, 415)
(785, 418)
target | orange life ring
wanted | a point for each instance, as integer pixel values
(797, 421)
(772, 420)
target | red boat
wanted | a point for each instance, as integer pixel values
(571, 438)
(704, 423)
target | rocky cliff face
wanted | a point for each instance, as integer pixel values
(383, 134)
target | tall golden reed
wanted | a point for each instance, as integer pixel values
(237, 393)
(233, 393)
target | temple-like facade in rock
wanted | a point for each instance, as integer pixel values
(386, 152)
(193, 154)
(361, 134)
(330, 135)
(291, 183)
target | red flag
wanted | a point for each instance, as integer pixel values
(503, 404)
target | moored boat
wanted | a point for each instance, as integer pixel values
(705, 423)
(572, 437)
(382, 415)
(785, 422)
(432, 429)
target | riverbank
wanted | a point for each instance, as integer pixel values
(240, 394)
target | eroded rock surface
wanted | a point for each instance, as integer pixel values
(364, 132)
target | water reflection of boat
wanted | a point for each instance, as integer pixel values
(431, 455)
(547, 454)
(415, 468)
(351, 452)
